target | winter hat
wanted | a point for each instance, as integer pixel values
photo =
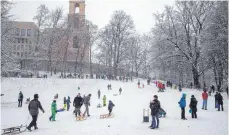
(35, 96)
(155, 96)
(192, 96)
(89, 94)
(184, 95)
(54, 101)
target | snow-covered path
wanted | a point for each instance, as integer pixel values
(128, 109)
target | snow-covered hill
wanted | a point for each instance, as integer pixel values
(127, 112)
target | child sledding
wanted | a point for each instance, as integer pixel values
(110, 108)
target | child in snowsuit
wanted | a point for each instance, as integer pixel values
(192, 105)
(110, 107)
(53, 110)
(104, 100)
(120, 91)
(182, 104)
(68, 103)
(65, 103)
(139, 84)
(179, 88)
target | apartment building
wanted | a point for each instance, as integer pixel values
(24, 39)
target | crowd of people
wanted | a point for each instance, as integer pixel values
(155, 106)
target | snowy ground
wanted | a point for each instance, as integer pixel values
(127, 112)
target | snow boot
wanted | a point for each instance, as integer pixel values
(29, 129)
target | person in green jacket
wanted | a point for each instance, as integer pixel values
(54, 110)
(104, 100)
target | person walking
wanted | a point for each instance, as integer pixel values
(220, 101)
(205, 99)
(68, 103)
(110, 107)
(99, 93)
(33, 107)
(179, 87)
(138, 84)
(65, 103)
(77, 103)
(104, 100)
(216, 99)
(87, 104)
(213, 88)
(53, 110)
(155, 106)
(20, 99)
(192, 105)
(182, 104)
(120, 91)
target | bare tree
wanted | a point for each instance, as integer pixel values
(181, 29)
(114, 37)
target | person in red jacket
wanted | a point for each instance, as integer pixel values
(205, 99)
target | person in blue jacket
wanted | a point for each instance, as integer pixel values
(182, 104)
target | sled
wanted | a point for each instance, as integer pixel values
(80, 118)
(60, 110)
(14, 130)
(104, 116)
(99, 106)
(145, 117)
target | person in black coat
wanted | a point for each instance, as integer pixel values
(220, 101)
(192, 105)
(77, 103)
(216, 99)
(34, 106)
(213, 88)
(155, 106)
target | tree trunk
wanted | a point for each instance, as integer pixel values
(195, 77)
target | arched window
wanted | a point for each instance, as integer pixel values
(77, 8)
(75, 42)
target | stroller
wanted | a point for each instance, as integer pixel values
(162, 113)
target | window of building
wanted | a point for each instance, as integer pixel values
(18, 40)
(18, 47)
(15, 40)
(26, 54)
(22, 40)
(26, 41)
(14, 53)
(28, 32)
(22, 32)
(22, 47)
(15, 47)
(17, 32)
(75, 42)
(30, 41)
(18, 54)
(30, 47)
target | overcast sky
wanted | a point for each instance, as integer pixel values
(99, 11)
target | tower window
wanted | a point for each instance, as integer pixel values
(77, 9)
(75, 42)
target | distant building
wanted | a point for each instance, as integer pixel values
(23, 36)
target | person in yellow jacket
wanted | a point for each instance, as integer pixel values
(65, 103)
(104, 100)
